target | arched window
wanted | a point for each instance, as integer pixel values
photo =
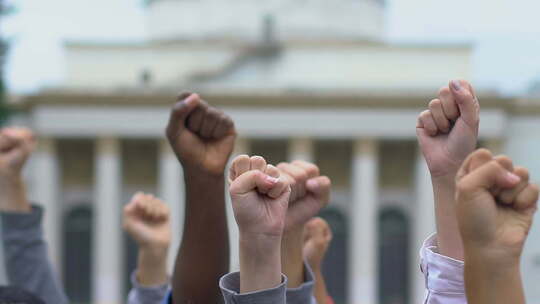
(393, 256)
(335, 263)
(77, 230)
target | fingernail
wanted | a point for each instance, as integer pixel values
(312, 183)
(456, 85)
(271, 179)
(512, 178)
(190, 99)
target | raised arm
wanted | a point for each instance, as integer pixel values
(202, 138)
(495, 209)
(317, 238)
(447, 133)
(26, 257)
(310, 193)
(147, 221)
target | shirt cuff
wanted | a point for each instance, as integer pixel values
(230, 288)
(443, 275)
(22, 225)
(303, 293)
(146, 294)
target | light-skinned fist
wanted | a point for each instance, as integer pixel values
(495, 205)
(16, 145)
(260, 196)
(310, 192)
(147, 220)
(317, 238)
(447, 131)
(201, 136)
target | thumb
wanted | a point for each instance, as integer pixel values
(252, 180)
(467, 102)
(180, 112)
(487, 177)
(7, 143)
(320, 188)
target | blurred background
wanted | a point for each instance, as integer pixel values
(336, 82)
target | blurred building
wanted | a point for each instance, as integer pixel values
(308, 79)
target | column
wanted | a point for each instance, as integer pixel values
(301, 149)
(423, 224)
(241, 147)
(107, 237)
(171, 189)
(46, 187)
(363, 257)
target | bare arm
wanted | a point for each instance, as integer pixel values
(447, 133)
(202, 138)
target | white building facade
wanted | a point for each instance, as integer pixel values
(302, 79)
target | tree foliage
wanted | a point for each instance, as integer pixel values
(3, 53)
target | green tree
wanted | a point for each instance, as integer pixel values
(3, 51)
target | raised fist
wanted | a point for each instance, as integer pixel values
(448, 130)
(495, 204)
(201, 136)
(16, 145)
(310, 192)
(147, 220)
(260, 196)
(317, 238)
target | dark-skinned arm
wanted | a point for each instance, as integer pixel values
(203, 139)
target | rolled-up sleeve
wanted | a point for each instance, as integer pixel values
(230, 288)
(26, 257)
(443, 275)
(146, 294)
(304, 293)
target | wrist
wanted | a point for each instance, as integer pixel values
(13, 196)
(446, 179)
(152, 267)
(197, 173)
(493, 260)
(201, 177)
(260, 262)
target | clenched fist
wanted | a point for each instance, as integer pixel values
(448, 130)
(317, 238)
(310, 192)
(16, 145)
(495, 205)
(260, 196)
(201, 136)
(147, 220)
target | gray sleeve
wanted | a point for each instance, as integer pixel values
(304, 293)
(26, 258)
(230, 288)
(146, 295)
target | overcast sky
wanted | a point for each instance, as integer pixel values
(505, 35)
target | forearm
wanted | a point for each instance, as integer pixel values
(292, 260)
(321, 293)
(492, 282)
(152, 267)
(204, 250)
(448, 236)
(13, 198)
(260, 263)
(26, 257)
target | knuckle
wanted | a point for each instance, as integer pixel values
(444, 91)
(435, 103)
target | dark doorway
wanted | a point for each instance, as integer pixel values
(130, 260)
(77, 230)
(393, 257)
(335, 263)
